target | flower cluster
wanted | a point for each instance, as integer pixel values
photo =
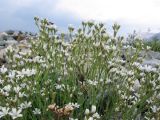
(91, 115)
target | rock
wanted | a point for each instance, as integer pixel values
(10, 32)
(15, 37)
(23, 46)
(2, 53)
(155, 55)
(11, 42)
(18, 40)
(152, 62)
(3, 36)
(151, 58)
(6, 39)
(150, 54)
(1, 47)
(2, 43)
(9, 38)
(156, 36)
(2, 57)
(20, 37)
(2, 61)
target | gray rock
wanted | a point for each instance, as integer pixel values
(2, 43)
(6, 40)
(2, 53)
(151, 58)
(10, 32)
(150, 36)
(11, 42)
(147, 36)
(152, 62)
(150, 55)
(156, 36)
(155, 55)
(9, 38)
(3, 36)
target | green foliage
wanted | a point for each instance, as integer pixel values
(154, 44)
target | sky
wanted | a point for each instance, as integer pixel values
(139, 15)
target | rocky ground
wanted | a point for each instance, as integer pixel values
(19, 38)
(14, 38)
(152, 58)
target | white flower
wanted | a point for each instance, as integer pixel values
(23, 85)
(26, 72)
(25, 105)
(96, 44)
(9, 48)
(101, 80)
(38, 59)
(91, 82)
(70, 26)
(36, 111)
(3, 69)
(16, 89)
(17, 56)
(4, 111)
(136, 64)
(147, 68)
(4, 93)
(21, 94)
(113, 47)
(73, 119)
(93, 109)
(1, 81)
(90, 118)
(86, 111)
(59, 87)
(106, 47)
(158, 96)
(108, 81)
(7, 88)
(130, 73)
(148, 47)
(75, 105)
(96, 115)
(15, 113)
(154, 108)
(52, 26)
(11, 74)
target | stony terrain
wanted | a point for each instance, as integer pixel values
(150, 36)
(13, 38)
(20, 39)
(152, 58)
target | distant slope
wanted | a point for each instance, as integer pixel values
(151, 36)
(156, 36)
(147, 35)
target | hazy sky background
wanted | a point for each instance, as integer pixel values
(130, 14)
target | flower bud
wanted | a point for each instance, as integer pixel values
(86, 111)
(93, 109)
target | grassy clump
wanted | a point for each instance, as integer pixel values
(93, 76)
(154, 44)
